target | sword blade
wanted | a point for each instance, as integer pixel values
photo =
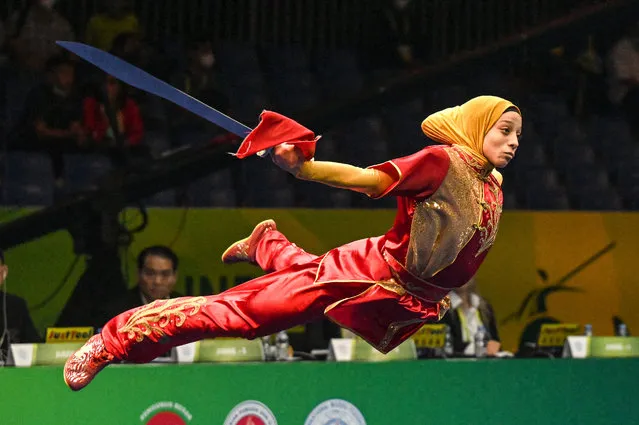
(142, 80)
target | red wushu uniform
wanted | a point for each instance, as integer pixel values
(381, 288)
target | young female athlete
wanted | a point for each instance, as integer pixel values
(383, 288)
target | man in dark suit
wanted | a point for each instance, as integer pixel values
(157, 274)
(16, 325)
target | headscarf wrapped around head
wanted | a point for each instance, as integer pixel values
(467, 125)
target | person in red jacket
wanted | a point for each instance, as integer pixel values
(382, 288)
(127, 113)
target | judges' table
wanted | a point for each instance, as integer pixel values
(584, 392)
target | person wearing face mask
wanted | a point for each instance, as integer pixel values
(199, 80)
(383, 288)
(623, 64)
(16, 325)
(33, 31)
(104, 27)
(468, 312)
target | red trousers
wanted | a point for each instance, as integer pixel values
(352, 285)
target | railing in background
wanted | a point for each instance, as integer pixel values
(449, 26)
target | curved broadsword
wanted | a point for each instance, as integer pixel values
(142, 80)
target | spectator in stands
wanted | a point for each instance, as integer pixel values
(33, 31)
(396, 43)
(52, 120)
(157, 276)
(18, 327)
(104, 27)
(200, 80)
(111, 95)
(468, 312)
(129, 46)
(624, 76)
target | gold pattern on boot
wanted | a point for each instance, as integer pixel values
(154, 317)
(84, 364)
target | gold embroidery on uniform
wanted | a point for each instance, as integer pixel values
(488, 233)
(152, 318)
(392, 286)
(442, 224)
(444, 306)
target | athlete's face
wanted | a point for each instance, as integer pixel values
(502, 140)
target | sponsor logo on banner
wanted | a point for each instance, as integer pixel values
(335, 412)
(250, 412)
(166, 413)
(68, 334)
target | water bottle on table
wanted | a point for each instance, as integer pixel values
(282, 346)
(480, 342)
(588, 329)
(448, 343)
(622, 330)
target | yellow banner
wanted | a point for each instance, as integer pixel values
(565, 267)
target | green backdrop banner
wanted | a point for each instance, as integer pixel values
(545, 267)
(585, 392)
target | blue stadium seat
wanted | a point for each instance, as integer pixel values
(83, 171)
(447, 96)
(363, 143)
(631, 198)
(544, 177)
(547, 199)
(24, 194)
(166, 198)
(586, 178)
(339, 74)
(627, 176)
(530, 154)
(271, 197)
(510, 200)
(287, 59)
(569, 154)
(28, 179)
(292, 93)
(237, 59)
(216, 189)
(600, 200)
(223, 199)
(157, 141)
(403, 123)
(28, 167)
(17, 89)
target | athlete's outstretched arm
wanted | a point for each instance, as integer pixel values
(372, 182)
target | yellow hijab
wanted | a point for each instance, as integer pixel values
(467, 125)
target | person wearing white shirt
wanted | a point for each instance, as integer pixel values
(467, 313)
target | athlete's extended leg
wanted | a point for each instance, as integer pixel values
(268, 248)
(256, 308)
